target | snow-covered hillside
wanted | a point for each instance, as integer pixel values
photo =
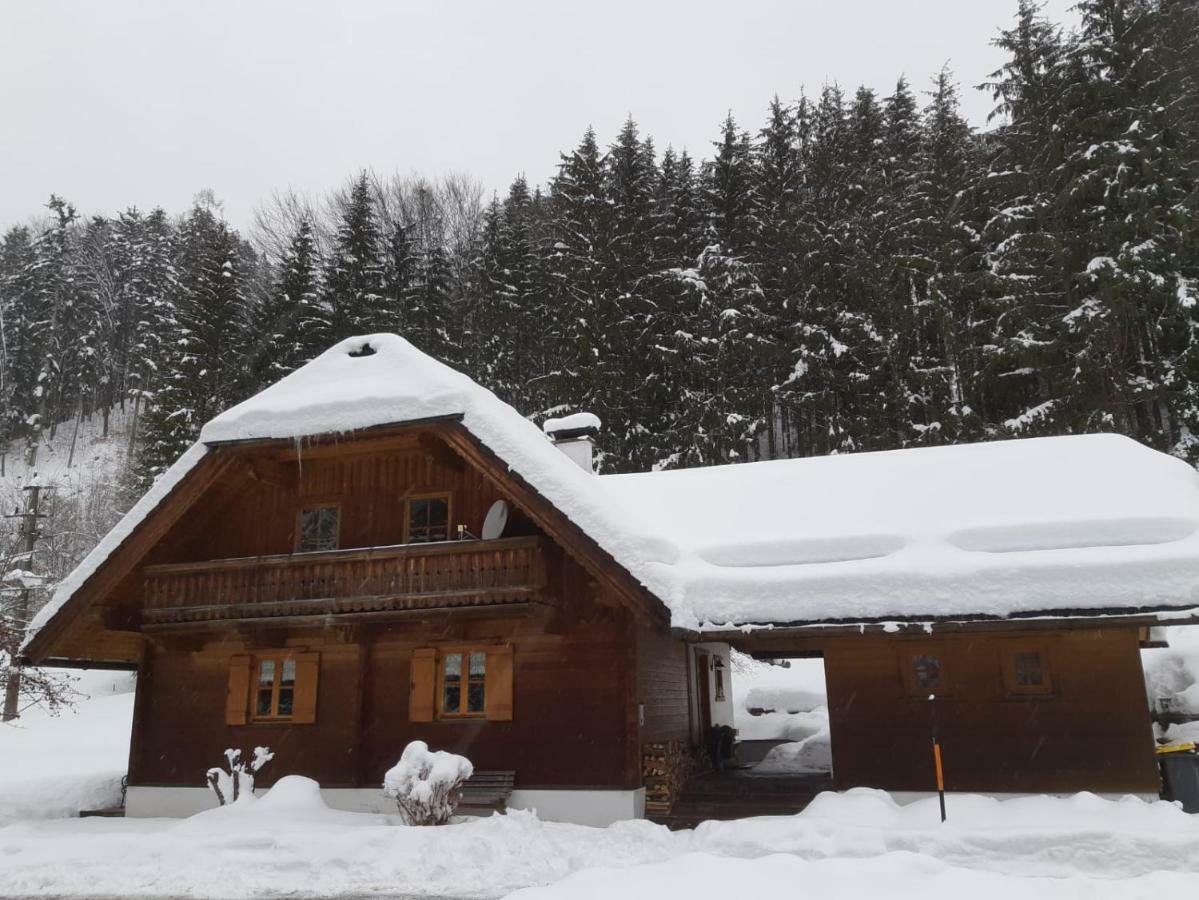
(54, 766)
(86, 474)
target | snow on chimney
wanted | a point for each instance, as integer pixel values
(575, 435)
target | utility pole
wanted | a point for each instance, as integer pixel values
(29, 533)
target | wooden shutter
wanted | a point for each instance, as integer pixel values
(237, 700)
(424, 684)
(308, 670)
(498, 692)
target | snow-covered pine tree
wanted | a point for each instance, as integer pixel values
(1017, 374)
(279, 337)
(1123, 195)
(354, 300)
(575, 277)
(203, 369)
(947, 255)
(778, 173)
(146, 247)
(60, 323)
(21, 319)
(399, 273)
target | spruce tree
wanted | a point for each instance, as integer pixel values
(280, 338)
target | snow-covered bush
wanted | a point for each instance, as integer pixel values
(427, 784)
(237, 783)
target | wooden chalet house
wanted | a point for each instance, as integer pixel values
(318, 574)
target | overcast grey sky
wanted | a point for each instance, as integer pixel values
(124, 102)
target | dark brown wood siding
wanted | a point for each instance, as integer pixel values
(662, 686)
(570, 728)
(1091, 733)
(259, 517)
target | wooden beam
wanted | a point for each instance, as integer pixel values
(331, 620)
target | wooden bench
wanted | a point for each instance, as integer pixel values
(486, 792)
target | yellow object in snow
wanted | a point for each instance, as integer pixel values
(1176, 748)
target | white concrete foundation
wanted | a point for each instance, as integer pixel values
(583, 807)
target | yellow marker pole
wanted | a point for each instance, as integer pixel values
(932, 701)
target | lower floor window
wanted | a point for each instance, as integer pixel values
(275, 687)
(464, 682)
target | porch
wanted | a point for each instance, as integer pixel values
(371, 581)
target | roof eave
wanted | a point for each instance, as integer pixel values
(1060, 619)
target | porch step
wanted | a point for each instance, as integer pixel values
(738, 795)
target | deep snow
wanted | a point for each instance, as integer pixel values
(291, 844)
(54, 766)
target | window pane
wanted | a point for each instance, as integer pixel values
(318, 529)
(285, 698)
(453, 696)
(439, 511)
(266, 673)
(928, 671)
(289, 671)
(474, 697)
(1029, 672)
(453, 667)
(478, 664)
(264, 703)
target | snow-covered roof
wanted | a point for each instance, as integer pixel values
(1085, 522)
(1095, 522)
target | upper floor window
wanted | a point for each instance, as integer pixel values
(318, 528)
(429, 519)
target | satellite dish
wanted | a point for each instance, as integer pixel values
(497, 518)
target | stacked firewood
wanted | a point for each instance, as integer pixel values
(665, 766)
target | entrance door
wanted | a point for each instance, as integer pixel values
(703, 682)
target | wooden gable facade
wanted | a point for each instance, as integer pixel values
(525, 653)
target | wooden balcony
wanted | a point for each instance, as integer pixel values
(372, 582)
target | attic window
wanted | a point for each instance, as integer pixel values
(364, 350)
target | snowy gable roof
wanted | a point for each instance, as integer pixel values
(1047, 525)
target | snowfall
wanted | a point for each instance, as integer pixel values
(288, 843)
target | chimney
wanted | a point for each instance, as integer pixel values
(575, 435)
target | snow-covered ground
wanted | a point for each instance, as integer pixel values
(793, 706)
(287, 843)
(54, 766)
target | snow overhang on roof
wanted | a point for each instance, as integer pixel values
(1045, 526)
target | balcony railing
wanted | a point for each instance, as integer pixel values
(372, 580)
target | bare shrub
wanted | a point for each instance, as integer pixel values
(427, 784)
(238, 782)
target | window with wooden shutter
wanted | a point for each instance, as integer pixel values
(274, 686)
(423, 684)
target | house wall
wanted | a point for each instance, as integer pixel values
(572, 694)
(1092, 733)
(663, 687)
(255, 511)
